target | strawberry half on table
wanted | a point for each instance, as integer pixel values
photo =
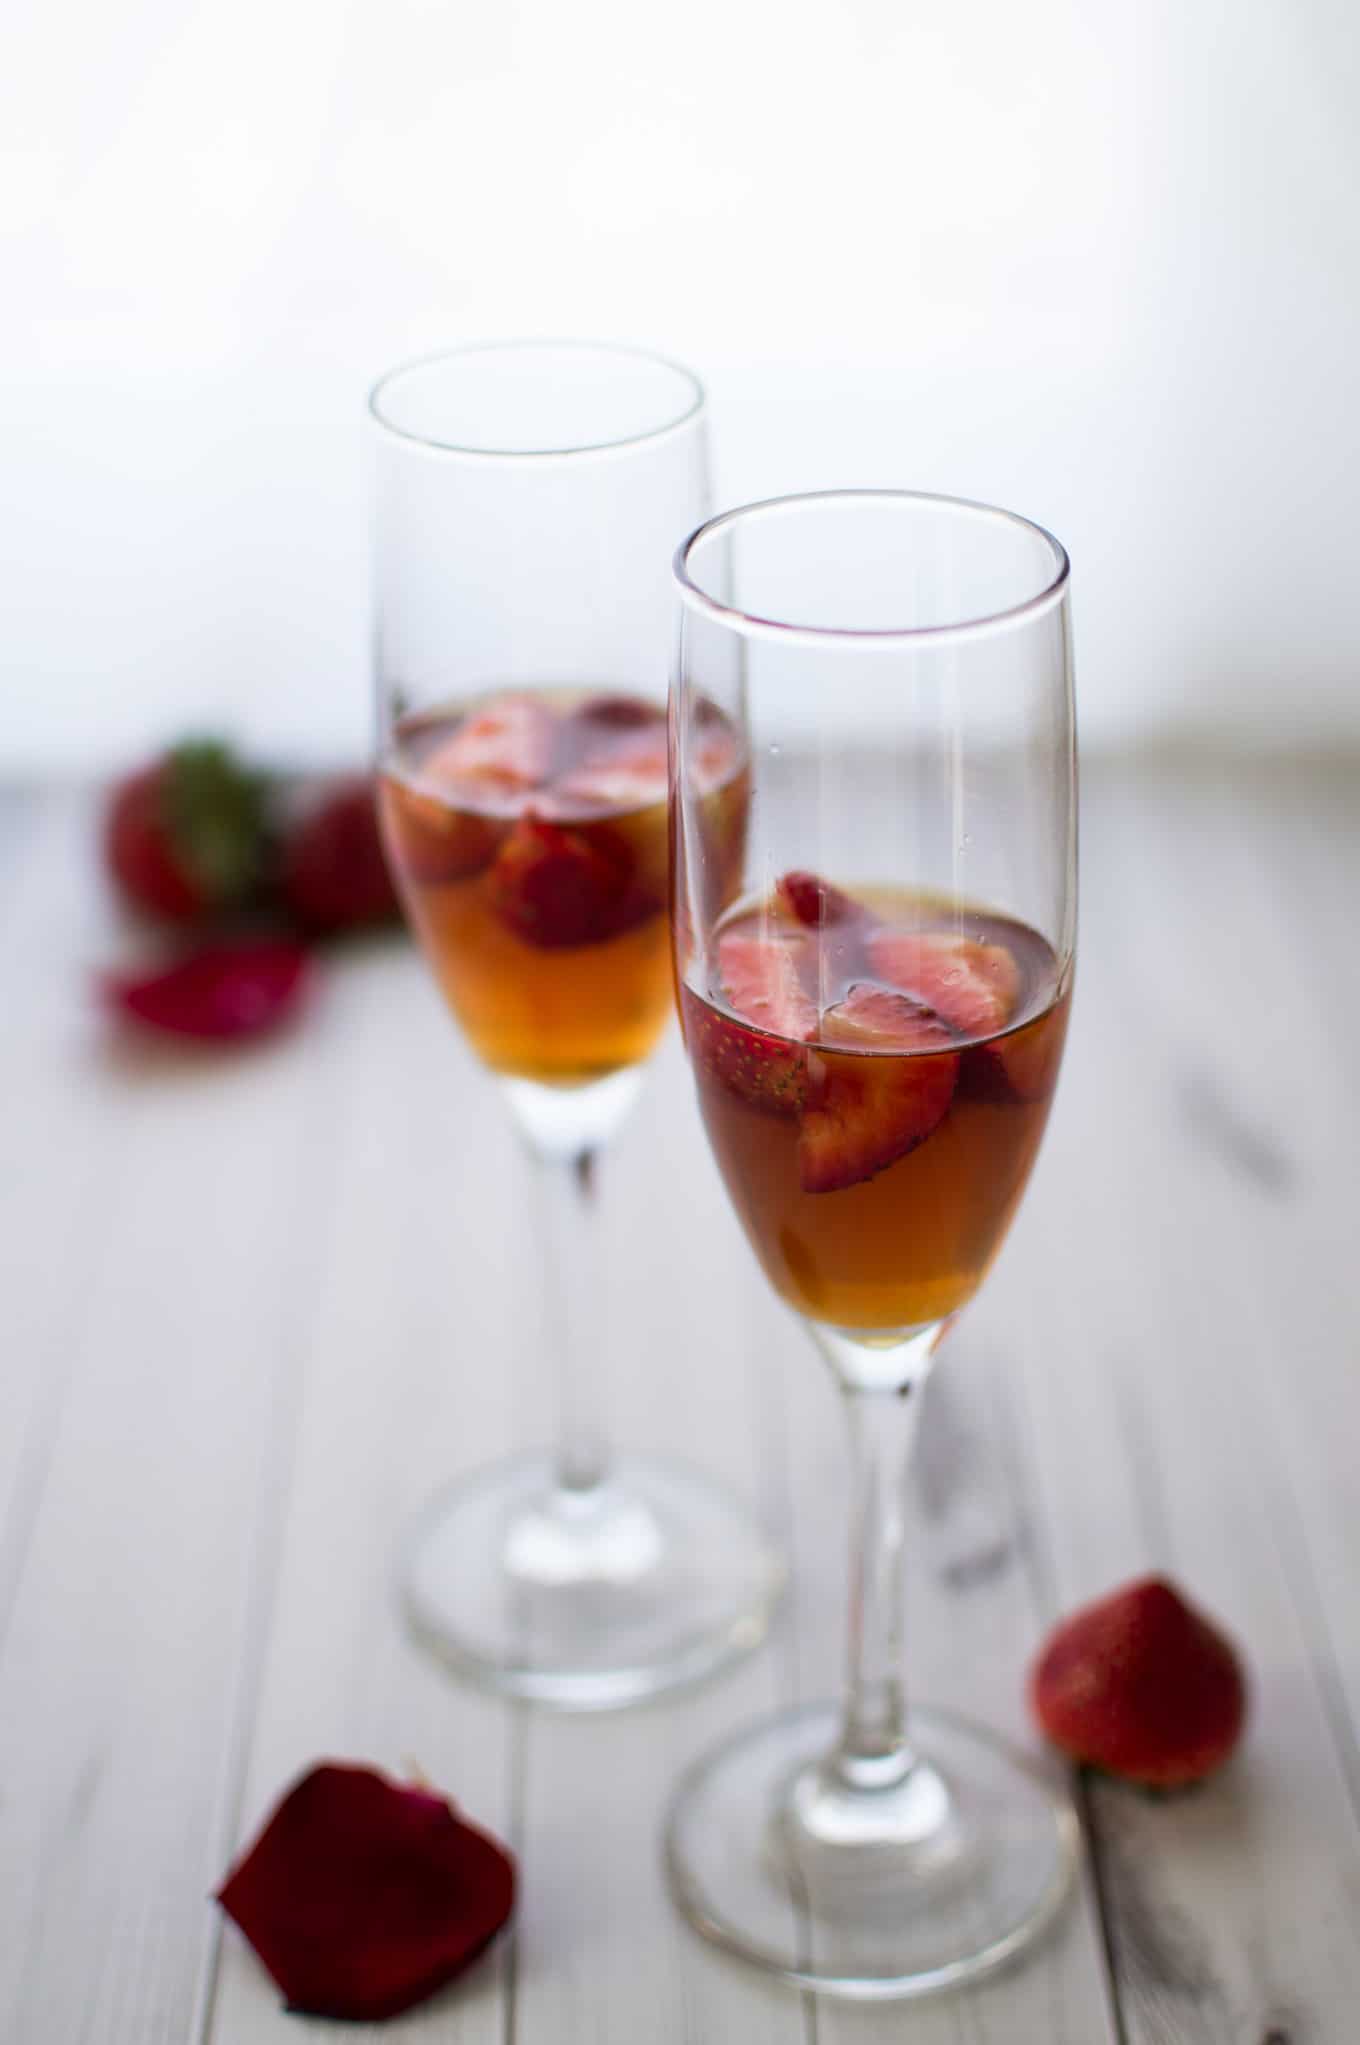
(1141, 1685)
(186, 837)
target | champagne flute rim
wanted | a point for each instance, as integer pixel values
(457, 450)
(753, 624)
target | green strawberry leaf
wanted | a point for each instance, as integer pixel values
(216, 814)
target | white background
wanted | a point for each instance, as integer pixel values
(1098, 262)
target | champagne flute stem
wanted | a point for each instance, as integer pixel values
(567, 1232)
(874, 1750)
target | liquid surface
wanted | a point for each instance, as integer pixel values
(874, 1072)
(527, 832)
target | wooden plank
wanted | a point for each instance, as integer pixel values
(737, 1385)
(128, 1660)
(1231, 1913)
(694, 1354)
(1311, 1333)
(411, 1373)
(976, 1610)
(60, 1144)
(1276, 1121)
(20, 806)
(259, 1307)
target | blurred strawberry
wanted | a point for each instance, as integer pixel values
(186, 835)
(504, 748)
(558, 888)
(1141, 1685)
(217, 993)
(333, 875)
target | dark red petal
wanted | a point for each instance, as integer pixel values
(218, 993)
(362, 1896)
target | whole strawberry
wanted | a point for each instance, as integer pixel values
(186, 836)
(1141, 1685)
(333, 875)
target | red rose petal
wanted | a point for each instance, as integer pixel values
(362, 1896)
(218, 993)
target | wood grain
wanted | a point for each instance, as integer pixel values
(256, 1309)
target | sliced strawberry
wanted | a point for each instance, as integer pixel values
(973, 986)
(618, 713)
(816, 903)
(218, 992)
(614, 756)
(840, 924)
(1142, 1685)
(1021, 1066)
(431, 841)
(557, 888)
(873, 1019)
(505, 747)
(764, 1071)
(863, 1113)
(612, 783)
(758, 973)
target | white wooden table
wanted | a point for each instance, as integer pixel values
(255, 1308)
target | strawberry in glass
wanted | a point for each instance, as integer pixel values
(874, 1071)
(527, 498)
(874, 1018)
(528, 835)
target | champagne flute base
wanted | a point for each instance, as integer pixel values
(592, 1598)
(891, 1893)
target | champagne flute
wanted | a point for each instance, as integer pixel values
(528, 499)
(875, 1022)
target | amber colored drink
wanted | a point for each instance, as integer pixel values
(875, 1073)
(528, 835)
